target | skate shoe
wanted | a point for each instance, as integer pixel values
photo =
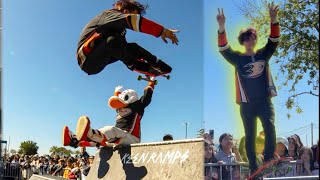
(68, 138)
(85, 133)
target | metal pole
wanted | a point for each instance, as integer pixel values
(8, 146)
(307, 140)
(186, 130)
(311, 134)
(186, 123)
(0, 79)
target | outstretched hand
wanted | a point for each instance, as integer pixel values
(220, 17)
(273, 11)
(169, 33)
(221, 20)
(118, 88)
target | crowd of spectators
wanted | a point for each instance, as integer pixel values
(69, 167)
(228, 151)
(231, 151)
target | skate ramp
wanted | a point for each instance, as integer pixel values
(160, 160)
(45, 177)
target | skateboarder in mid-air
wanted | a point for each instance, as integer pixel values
(254, 84)
(130, 110)
(103, 39)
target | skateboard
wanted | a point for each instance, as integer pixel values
(111, 143)
(114, 144)
(272, 168)
(153, 72)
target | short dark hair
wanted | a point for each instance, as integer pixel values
(221, 138)
(224, 135)
(130, 5)
(245, 34)
(167, 137)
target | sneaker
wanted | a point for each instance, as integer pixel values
(162, 67)
(140, 66)
(68, 138)
(82, 129)
(85, 133)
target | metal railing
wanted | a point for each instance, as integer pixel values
(290, 170)
(8, 170)
(241, 166)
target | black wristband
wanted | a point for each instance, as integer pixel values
(276, 24)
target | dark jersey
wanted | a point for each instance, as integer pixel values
(114, 22)
(253, 77)
(129, 118)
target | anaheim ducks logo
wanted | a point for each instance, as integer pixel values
(123, 112)
(255, 69)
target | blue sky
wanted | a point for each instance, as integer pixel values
(221, 113)
(44, 88)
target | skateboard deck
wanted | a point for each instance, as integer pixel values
(154, 72)
(272, 168)
(113, 145)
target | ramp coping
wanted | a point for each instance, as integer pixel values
(297, 177)
(46, 177)
(167, 142)
(42, 177)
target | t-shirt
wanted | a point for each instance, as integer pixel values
(229, 158)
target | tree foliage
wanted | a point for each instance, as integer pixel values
(13, 151)
(298, 51)
(200, 133)
(28, 148)
(61, 151)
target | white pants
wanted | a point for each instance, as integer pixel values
(112, 132)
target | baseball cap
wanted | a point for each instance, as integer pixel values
(283, 141)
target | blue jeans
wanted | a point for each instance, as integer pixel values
(265, 112)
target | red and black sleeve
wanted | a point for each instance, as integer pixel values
(147, 96)
(273, 41)
(144, 25)
(225, 49)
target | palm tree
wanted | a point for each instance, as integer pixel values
(200, 133)
(13, 151)
(53, 150)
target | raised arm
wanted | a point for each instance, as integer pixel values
(138, 23)
(224, 47)
(147, 96)
(275, 28)
(274, 37)
(113, 19)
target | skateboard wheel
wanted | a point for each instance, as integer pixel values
(139, 78)
(155, 82)
(168, 77)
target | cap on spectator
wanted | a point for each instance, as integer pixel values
(283, 141)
